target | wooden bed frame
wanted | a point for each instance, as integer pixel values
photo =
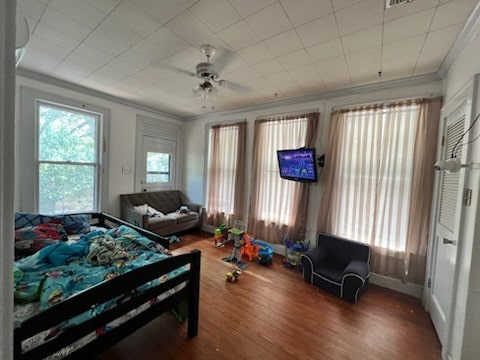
(103, 292)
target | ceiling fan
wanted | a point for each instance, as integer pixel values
(22, 37)
(208, 72)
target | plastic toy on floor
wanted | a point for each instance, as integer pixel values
(220, 235)
(232, 276)
(293, 252)
(265, 252)
(171, 239)
(249, 248)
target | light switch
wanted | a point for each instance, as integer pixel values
(126, 170)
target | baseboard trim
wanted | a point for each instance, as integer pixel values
(395, 284)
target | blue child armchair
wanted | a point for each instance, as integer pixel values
(339, 266)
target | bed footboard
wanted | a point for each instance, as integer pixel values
(109, 290)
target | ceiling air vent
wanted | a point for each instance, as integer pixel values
(391, 3)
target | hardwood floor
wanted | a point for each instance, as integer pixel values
(271, 313)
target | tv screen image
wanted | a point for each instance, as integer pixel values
(298, 164)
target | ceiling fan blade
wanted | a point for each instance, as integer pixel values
(234, 86)
(179, 70)
(219, 62)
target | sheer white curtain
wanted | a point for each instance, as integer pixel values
(226, 173)
(379, 173)
(278, 207)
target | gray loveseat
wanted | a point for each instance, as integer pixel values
(168, 202)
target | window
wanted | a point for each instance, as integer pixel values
(225, 173)
(158, 167)
(68, 159)
(279, 207)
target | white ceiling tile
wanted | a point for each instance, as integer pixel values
(295, 59)
(407, 26)
(243, 75)
(444, 37)
(269, 21)
(398, 67)
(238, 35)
(291, 89)
(284, 43)
(190, 29)
(56, 37)
(362, 39)
(117, 70)
(188, 3)
(32, 9)
(436, 55)
(142, 79)
(407, 46)
(303, 73)
(280, 78)
(314, 85)
(228, 63)
(131, 16)
(269, 67)
(162, 71)
(99, 82)
(162, 11)
(70, 72)
(143, 54)
(326, 50)
(112, 45)
(255, 53)
(59, 21)
(364, 57)
(81, 11)
(39, 61)
(364, 74)
(248, 7)
(216, 14)
(361, 15)
(303, 11)
(48, 47)
(88, 57)
(340, 4)
(106, 6)
(396, 12)
(333, 72)
(452, 13)
(318, 31)
(167, 41)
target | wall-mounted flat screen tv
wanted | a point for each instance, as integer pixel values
(298, 164)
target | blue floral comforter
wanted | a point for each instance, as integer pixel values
(61, 270)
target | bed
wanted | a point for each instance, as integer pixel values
(110, 309)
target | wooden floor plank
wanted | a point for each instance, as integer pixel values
(271, 313)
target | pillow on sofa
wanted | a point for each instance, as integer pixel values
(142, 209)
(152, 212)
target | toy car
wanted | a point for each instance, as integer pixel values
(265, 252)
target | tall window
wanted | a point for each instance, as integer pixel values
(225, 173)
(278, 207)
(68, 159)
(378, 182)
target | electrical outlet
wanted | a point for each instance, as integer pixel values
(126, 170)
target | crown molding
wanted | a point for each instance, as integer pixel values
(87, 91)
(470, 31)
(412, 81)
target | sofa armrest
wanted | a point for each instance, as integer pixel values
(194, 207)
(309, 259)
(357, 268)
(128, 213)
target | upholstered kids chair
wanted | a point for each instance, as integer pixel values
(339, 266)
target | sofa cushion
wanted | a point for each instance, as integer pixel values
(329, 270)
(161, 222)
(183, 218)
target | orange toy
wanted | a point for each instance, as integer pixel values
(249, 249)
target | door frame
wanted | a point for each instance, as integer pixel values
(163, 130)
(465, 94)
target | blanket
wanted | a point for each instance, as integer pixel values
(62, 270)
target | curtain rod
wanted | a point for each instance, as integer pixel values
(291, 113)
(208, 126)
(384, 103)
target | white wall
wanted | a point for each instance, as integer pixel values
(194, 172)
(121, 145)
(466, 315)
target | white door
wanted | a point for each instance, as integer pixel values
(158, 164)
(448, 216)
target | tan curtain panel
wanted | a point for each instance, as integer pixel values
(378, 182)
(226, 174)
(279, 207)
